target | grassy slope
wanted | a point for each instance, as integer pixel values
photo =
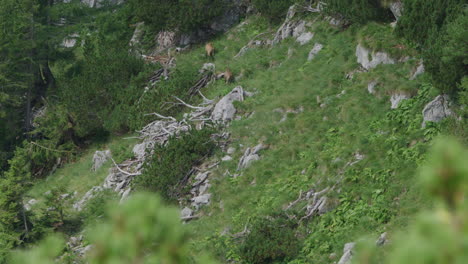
(377, 193)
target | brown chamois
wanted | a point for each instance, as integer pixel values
(209, 49)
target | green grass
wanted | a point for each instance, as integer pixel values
(310, 149)
(78, 176)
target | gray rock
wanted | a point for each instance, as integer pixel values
(397, 9)
(231, 150)
(370, 60)
(290, 27)
(437, 110)
(200, 200)
(89, 195)
(224, 110)
(186, 212)
(136, 37)
(125, 195)
(347, 253)
(201, 177)
(226, 158)
(250, 155)
(208, 67)
(29, 204)
(305, 38)
(99, 158)
(315, 50)
(419, 70)
(371, 87)
(70, 41)
(396, 98)
(139, 150)
(382, 240)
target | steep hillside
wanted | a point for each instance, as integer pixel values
(314, 145)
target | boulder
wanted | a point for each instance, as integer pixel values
(224, 110)
(29, 204)
(139, 150)
(305, 38)
(250, 155)
(397, 9)
(208, 67)
(347, 253)
(371, 87)
(396, 98)
(89, 195)
(70, 41)
(315, 50)
(99, 158)
(382, 240)
(437, 110)
(419, 70)
(200, 200)
(186, 212)
(370, 60)
(136, 37)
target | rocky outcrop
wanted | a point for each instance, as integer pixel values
(347, 253)
(371, 87)
(290, 27)
(418, 71)
(437, 110)
(98, 3)
(382, 240)
(88, 196)
(315, 50)
(70, 41)
(99, 158)
(370, 60)
(396, 98)
(397, 9)
(224, 110)
(250, 155)
(305, 38)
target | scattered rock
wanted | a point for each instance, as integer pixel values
(382, 240)
(419, 70)
(371, 87)
(289, 28)
(363, 55)
(136, 37)
(437, 110)
(231, 150)
(347, 253)
(207, 67)
(397, 9)
(337, 21)
(70, 41)
(305, 38)
(99, 158)
(29, 204)
(226, 158)
(396, 98)
(198, 201)
(250, 155)
(315, 50)
(89, 195)
(224, 110)
(139, 150)
(186, 213)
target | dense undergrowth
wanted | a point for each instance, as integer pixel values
(102, 95)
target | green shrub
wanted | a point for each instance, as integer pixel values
(359, 11)
(274, 10)
(270, 239)
(184, 15)
(439, 29)
(171, 163)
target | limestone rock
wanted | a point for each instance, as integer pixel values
(224, 110)
(186, 212)
(226, 158)
(29, 204)
(419, 70)
(382, 240)
(89, 195)
(99, 158)
(370, 60)
(347, 253)
(137, 36)
(208, 67)
(315, 50)
(371, 87)
(70, 41)
(250, 155)
(437, 109)
(198, 201)
(305, 38)
(397, 9)
(396, 98)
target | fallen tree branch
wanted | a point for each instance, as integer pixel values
(124, 172)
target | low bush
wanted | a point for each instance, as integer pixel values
(270, 239)
(171, 163)
(273, 9)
